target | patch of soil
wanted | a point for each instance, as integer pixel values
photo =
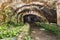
(38, 33)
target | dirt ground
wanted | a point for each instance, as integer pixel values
(38, 33)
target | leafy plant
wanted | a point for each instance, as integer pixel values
(6, 31)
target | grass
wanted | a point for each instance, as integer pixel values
(50, 27)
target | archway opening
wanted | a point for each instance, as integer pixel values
(31, 18)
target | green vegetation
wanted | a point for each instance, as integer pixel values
(26, 32)
(9, 30)
(28, 38)
(50, 27)
(9, 27)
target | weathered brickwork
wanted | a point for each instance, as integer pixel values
(58, 12)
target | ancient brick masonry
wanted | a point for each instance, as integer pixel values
(16, 4)
(58, 11)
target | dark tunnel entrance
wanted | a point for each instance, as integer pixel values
(31, 18)
(47, 13)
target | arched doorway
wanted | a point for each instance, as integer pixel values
(32, 18)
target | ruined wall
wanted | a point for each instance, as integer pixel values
(16, 3)
(49, 3)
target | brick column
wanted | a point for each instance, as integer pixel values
(58, 11)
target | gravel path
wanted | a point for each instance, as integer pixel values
(40, 34)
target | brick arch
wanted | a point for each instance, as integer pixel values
(26, 8)
(34, 12)
(40, 11)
